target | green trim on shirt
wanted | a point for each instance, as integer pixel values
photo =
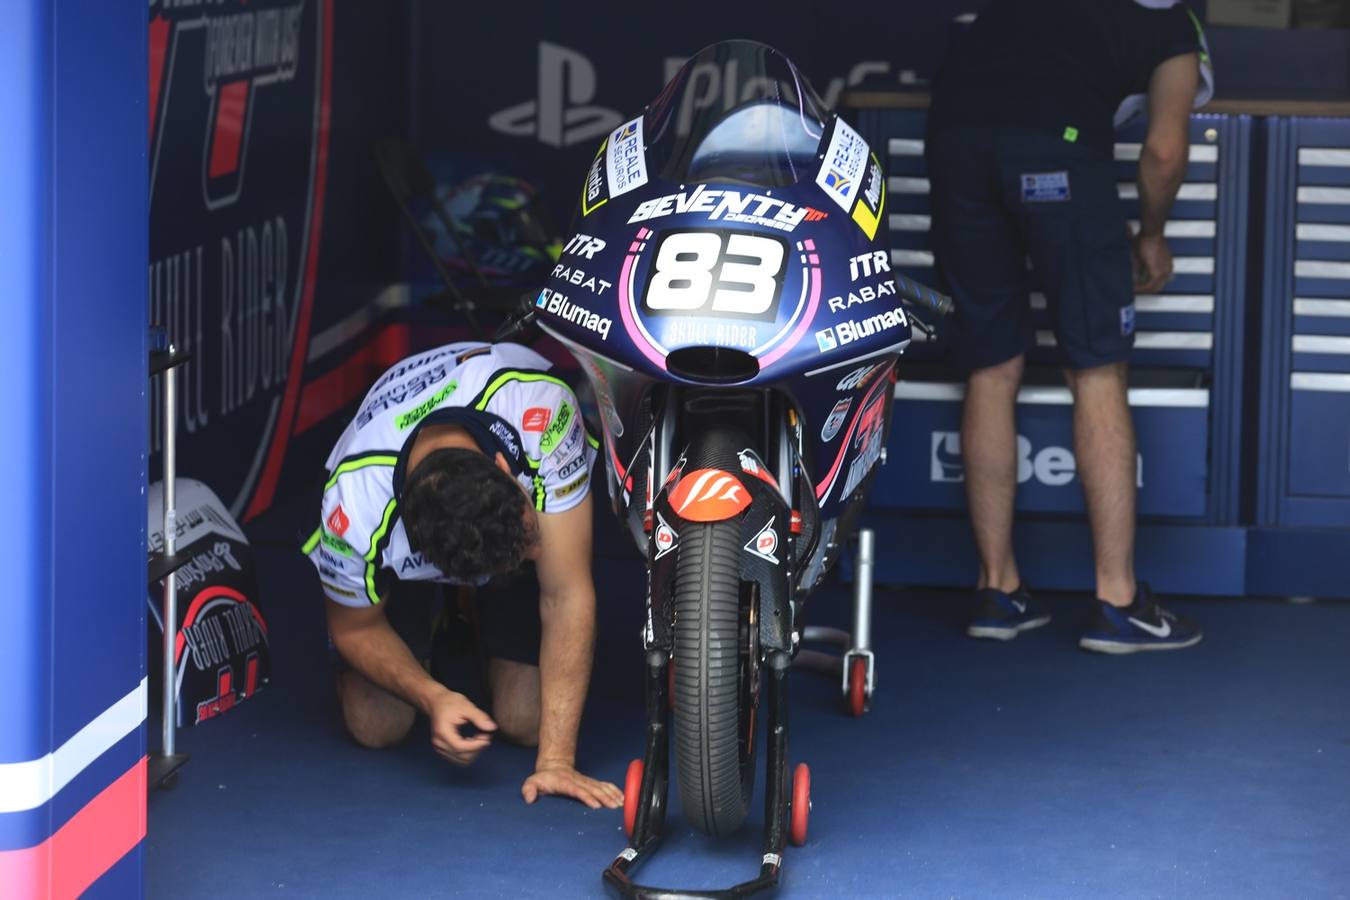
(377, 539)
(507, 377)
(378, 458)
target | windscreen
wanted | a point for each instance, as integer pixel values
(737, 112)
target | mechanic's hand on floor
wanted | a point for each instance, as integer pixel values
(452, 713)
(561, 780)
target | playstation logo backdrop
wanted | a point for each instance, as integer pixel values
(561, 113)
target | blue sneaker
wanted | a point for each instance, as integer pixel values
(1004, 616)
(1143, 625)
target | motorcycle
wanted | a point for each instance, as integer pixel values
(727, 291)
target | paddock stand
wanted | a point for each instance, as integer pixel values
(856, 668)
(650, 779)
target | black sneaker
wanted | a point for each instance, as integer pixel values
(1003, 616)
(1143, 625)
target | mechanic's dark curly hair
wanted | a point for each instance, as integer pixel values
(465, 515)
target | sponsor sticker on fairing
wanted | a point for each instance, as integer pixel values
(865, 294)
(626, 158)
(765, 543)
(718, 205)
(664, 537)
(856, 330)
(836, 420)
(868, 444)
(594, 194)
(708, 495)
(751, 465)
(583, 245)
(871, 200)
(558, 304)
(578, 277)
(858, 377)
(868, 264)
(841, 171)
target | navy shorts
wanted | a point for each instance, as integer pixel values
(1002, 200)
(501, 621)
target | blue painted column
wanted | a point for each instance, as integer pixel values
(73, 257)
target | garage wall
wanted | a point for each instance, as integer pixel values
(267, 220)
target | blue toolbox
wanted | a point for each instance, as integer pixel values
(1300, 540)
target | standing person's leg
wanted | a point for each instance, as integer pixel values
(1080, 249)
(989, 451)
(1104, 444)
(982, 257)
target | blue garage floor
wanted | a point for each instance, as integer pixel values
(1028, 769)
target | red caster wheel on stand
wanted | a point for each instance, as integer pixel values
(857, 686)
(632, 790)
(799, 811)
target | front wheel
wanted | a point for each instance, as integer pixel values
(715, 677)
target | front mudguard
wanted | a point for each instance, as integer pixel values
(767, 558)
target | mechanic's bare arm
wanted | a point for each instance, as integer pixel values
(1162, 163)
(567, 616)
(365, 639)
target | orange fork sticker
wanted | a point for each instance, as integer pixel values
(708, 495)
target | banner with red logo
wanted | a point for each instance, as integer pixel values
(221, 657)
(238, 128)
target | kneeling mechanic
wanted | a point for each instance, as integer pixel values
(463, 464)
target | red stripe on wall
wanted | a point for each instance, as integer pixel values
(159, 44)
(96, 837)
(276, 454)
(232, 101)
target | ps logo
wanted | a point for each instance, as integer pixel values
(559, 116)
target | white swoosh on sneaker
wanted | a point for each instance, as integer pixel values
(1020, 606)
(1158, 631)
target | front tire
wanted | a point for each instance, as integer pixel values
(714, 679)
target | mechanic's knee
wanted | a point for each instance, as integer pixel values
(374, 718)
(519, 726)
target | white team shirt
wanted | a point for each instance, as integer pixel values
(361, 540)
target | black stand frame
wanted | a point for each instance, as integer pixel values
(651, 812)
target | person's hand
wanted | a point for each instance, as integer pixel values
(452, 712)
(1152, 263)
(562, 780)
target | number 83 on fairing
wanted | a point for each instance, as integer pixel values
(716, 274)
